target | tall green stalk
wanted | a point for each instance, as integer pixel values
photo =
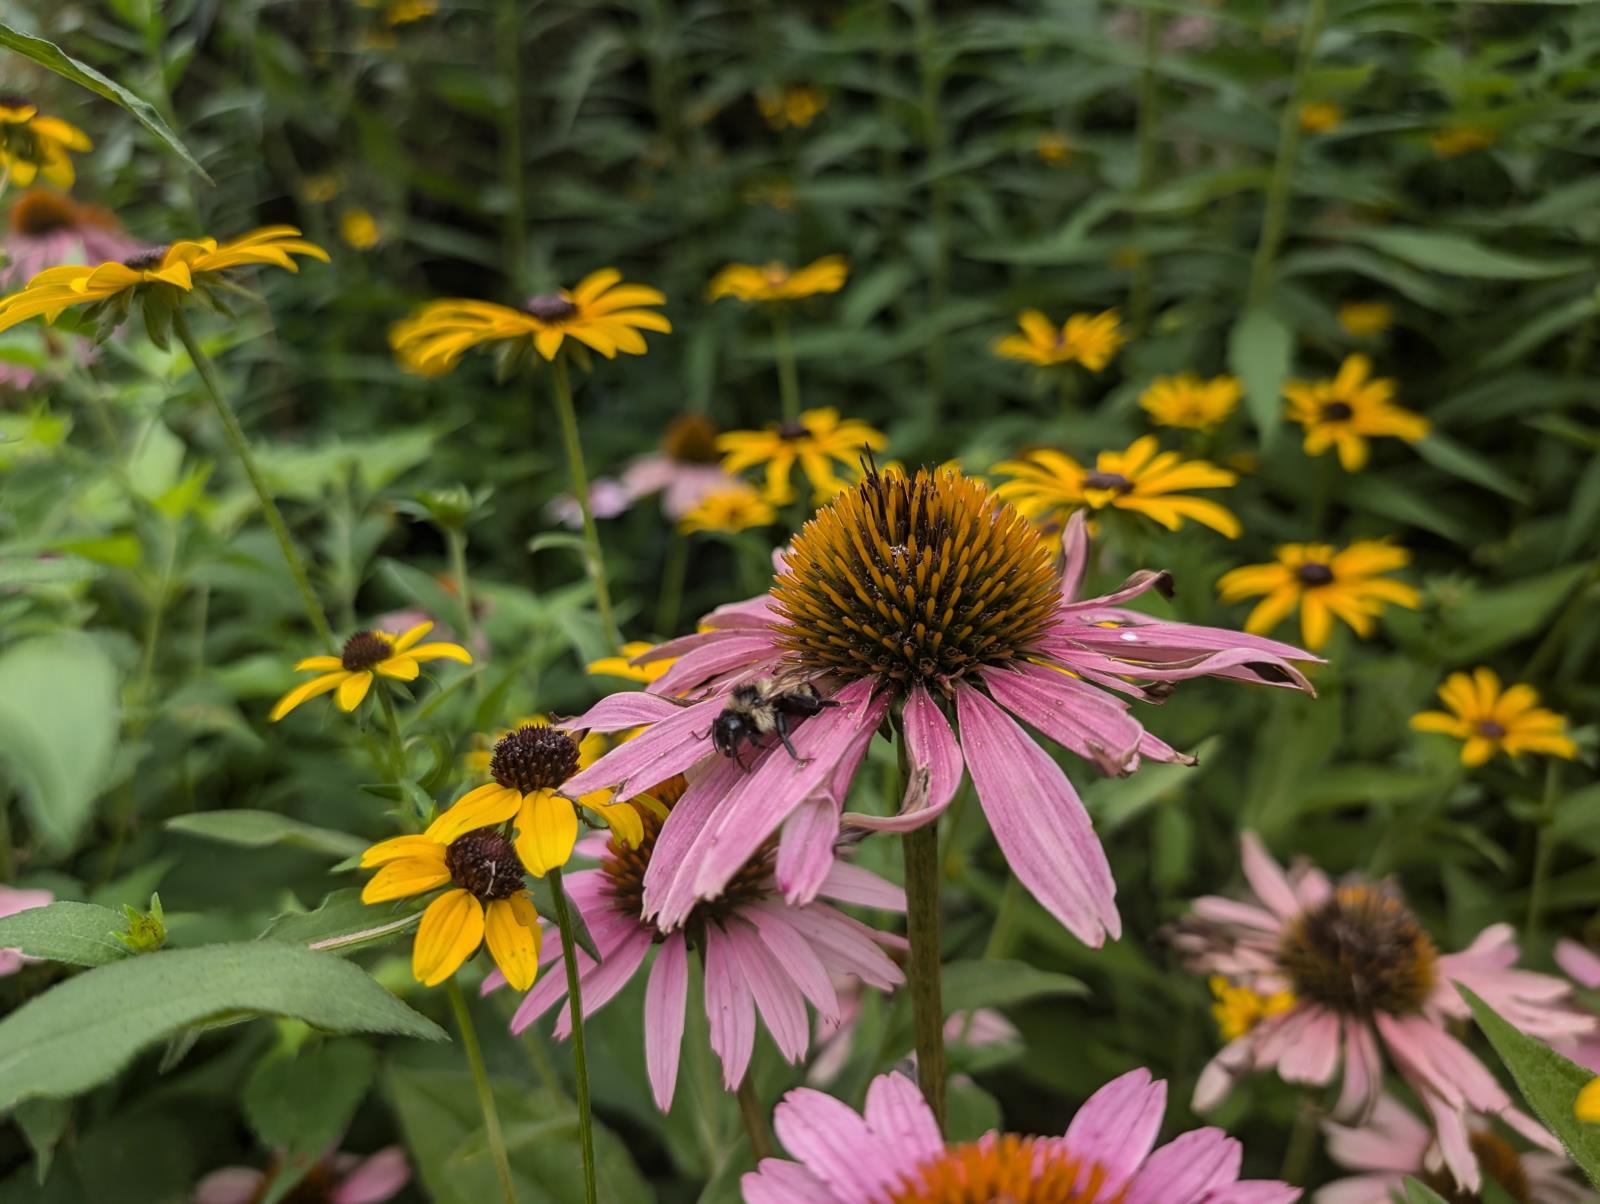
(580, 1057)
(561, 389)
(480, 1083)
(1149, 116)
(930, 78)
(241, 449)
(921, 851)
(1543, 847)
(755, 1120)
(788, 374)
(508, 43)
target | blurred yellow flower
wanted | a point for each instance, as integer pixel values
(1325, 583)
(817, 442)
(1087, 339)
(364, 654)
(622, 664)
(403, 12)
(600, 312)
(775, 281)
(1187, 401)
(777, 193)
(796, 106)
(1054, 148)
(1455, 140)
(729, 510)
(1347, 410)
(359, 229)
(1587, 1106)
(321, 188)
(1320, 117)
(1239, 1009)
(1488, 719)
(1048, 485)
(1366, 319)
(32, 146)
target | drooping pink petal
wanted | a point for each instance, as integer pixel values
(1139, 583)
(668, 881)
(1082, 719)
(805, 849)
(1117, 1125)
(730, 1009)
(1315, 1054)
(666, 995)
(851, 884)
(1187, 1167)
(1267, 878)
(1038, 820)
(375, 1179)
(777, 999)
(666, 747)
(1363, 1072)
(936, 768)
(844, 944)
(600, 985)
(628, 708)
(730, 654)
(1074, 556)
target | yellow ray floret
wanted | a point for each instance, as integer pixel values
(367, 654)
(1325, 583)
(1488, 719)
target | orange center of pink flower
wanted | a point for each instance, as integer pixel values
(1008, 1168)
(1363, 951)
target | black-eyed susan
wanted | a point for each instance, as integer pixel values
(367, 654)
(774, 281)
(1455, 140)
(487, 903)
(729, 510)
(1187, 401)
(1325, 583)
(1347, 410)
(624, 664)
(819, 441)
(1048, 485)
(600, 312)
(1365, 319)
(1320, 117)
(1087, 339)
(795, 106)
(33, 146)
(1054, 148)
(1489, 719)
(161, 277)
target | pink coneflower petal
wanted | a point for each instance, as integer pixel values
(730, 1008)
(729, 654)
(781, 1006)
(931, 748)
(1089, 722)
(805, 849)
(1363, 1071)
(668, 746)
(800, 961)
(230, 1185)
(844, 944)
(1267, 879)
(666, 996)
(375, 1179)
(899, 1116)
(1190, 1167)
(1074, 557)
(1038, 820)
(783, 1182)
(600, 985)
(840, 1148)
(1580, 963)
(1118, 1124)
(851, 884)
(669, 890)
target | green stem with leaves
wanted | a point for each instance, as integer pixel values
(580, 1057)
(1543, 847)
(241, 449)
(455, 540)
(480, 1083)
(788, 374)
(561, 389)
(921, 851)
(397, 743)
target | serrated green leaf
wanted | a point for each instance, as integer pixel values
(342, 923)
(78, 934)
(256, 829)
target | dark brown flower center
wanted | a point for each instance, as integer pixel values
(1336, 411)
(691, 439)
(39, 212)
(1313, 573)
(1004, 1169)
(1497, 1160)
(485, 863)
(320, 1185)
(145, 260)
(364, 650)
(1107, 480)
(794, 430)
(14, 100)
(1361, 952)
(1489, 729)
(550, 307)
(532, 758)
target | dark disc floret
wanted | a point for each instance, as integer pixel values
(1336, 411)
(550, 307)
(1107, 480)
(144, 260)
(364, 650)
(1361, 952)
(485, 863)
(532, 758)
(1314, 573)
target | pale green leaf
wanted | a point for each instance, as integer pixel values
(79, 934)
(1260, 354)
(256, 829)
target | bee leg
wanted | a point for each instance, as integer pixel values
(737, 759)
(782, 727)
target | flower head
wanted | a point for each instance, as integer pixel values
(729, 510)
(1048, 485)
(49, 229)
(34, 146)
(336, 1178)
(1325, 583)
(928, 593)
(892, 1153)
(1349, 409)
(600, 312)
(761, 957)
(359, 229)
(367, 654)
(1367, 979)
(1320, 117)
(1087, 339)
(775, 281)
(1187, 401)
(796, 106)
(818, 442)
(1455, 140)
(1489, 719)
(1366, 319)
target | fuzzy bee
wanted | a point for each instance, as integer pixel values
(760, 707)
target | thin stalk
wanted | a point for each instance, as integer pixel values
(930, 78)
(755, 1121)
(580, 1057)
(1543, 847)
(8, 864)
(456, 545)
(241, 449)
(1149, 116)
(561, 389)
(1280, 185)
(1302, 1143)
(921, 850)
(1005, 920)
(480, 1083)
(397, 744)
(669, 603)
(788, 375)
(509, 45)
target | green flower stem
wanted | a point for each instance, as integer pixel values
(1149, 117)
(561, 389)
(508, 42)
(456, 546)
(1280, 185)
(1302, 1143)
(241, 448)
(397, 744)
(788, 375)
(480, 1082)
(755, 1120)
(670, 601)
(1543, 847)
(921, 850)
(580, 1057)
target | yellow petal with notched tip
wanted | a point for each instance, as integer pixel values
(511, 930)
(406, 877)
(450, 932)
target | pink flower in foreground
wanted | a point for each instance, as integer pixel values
(1583, 967)
(1367, 979)
(760, 956)
(892, 1154)
(49, 229)
(336, 1179)
(916, 598)
(11, 902)
(1394, 1144)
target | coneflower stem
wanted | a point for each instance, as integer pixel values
(1302, 1143)
(1543, 846)
(921, 851)
(456, 546)
(670, 601)
(580, 1056)
(241, 449)
(755, 1121)
(561, 389)
(788, 375)
(480, 1083)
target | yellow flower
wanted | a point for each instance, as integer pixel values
(795, 106)
(487, 902)
(1490, 720)
(1090, 340)
(729, 510)
(601, 312)
(32, 146)
(776, 282)
(1048, 485)
(818, 441)
(1462, 139)
(1053, 148)
(179, 268)
(403, 12)
(1325, 583)
(367, 653)
(322, 187)
(359, 229)
(622, 665)
(1587, 1106)
(1345, 411)
(1320, 117)
(1187, 401)
(1365, 319)
(1239, 1009)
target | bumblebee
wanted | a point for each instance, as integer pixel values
(762, 707)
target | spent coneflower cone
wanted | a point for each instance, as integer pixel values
(926, 596)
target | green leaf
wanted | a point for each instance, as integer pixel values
(302, 1102)
(1260, 354)
(43, 1123)
(1421, 1193)
(995, 982)
(1491, 619)
(85, 1030)
(58, 730)
(1458, 460)
(79, 934)
(256, 829)
(1549, 1082)
(51, 56)
(1458, 255)
(342, 923)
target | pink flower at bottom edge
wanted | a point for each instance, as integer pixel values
(11, 902)
(892, 1153)
(1583, 967)
(343, 1178)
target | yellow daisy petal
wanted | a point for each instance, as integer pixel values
(481, 807)
(408, 876)
(353, 689)
(511, 930)
(450, 932)
(547, 828)
(307, 690)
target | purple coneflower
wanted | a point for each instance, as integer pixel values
(337, 1178)
(49, 229)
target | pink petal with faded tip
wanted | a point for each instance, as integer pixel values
(901, 1119)
(1139, 583)
(842, 943)
(936, 768)
(629, 708)
(1077, 716)
(838, 1146)
(668, 746)
(805, 850)
(730, 1008)
(1117, 1125)
(666, 996)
